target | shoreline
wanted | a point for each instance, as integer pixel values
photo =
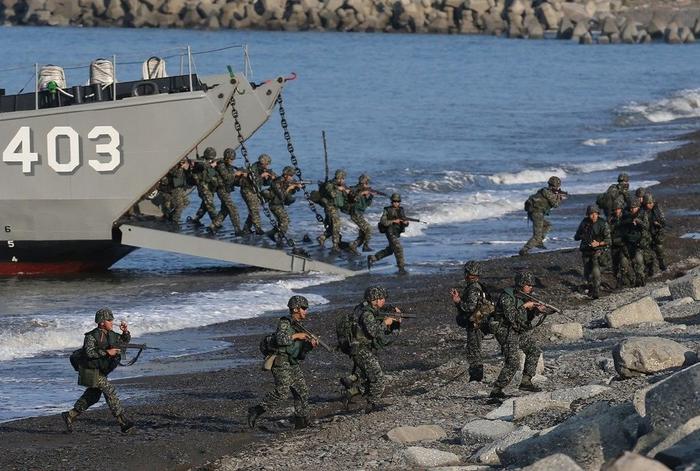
(195, 418)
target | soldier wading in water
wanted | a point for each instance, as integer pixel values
(473, 309)
(537, 207)
(99, 357)
(289, 346)
(392, 224)
(513, 327)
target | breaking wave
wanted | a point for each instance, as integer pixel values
(682, 104)
(596, 142)
(451, 180)
(60, 332)
(526, 176)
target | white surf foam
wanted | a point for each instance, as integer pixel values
(526, 176)
(451, 180)
(64, 331)
(591, 167)
(682, 104)
(596, 142)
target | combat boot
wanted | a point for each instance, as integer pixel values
(527, 385)
(370, 261)
(352, 248)
(523, 251)
(259, 231)
(373, 407)
(476, 373)
(662, 265)
(301, 422)
(402, 271)
(194, 220)
(253, 414)
(213, 228)
(125, 424)
(367, 248)
(70, 417)
(497, 393)
(595, 292)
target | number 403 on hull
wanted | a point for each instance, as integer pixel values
(19, 149)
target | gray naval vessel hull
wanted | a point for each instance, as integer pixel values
(72, 170)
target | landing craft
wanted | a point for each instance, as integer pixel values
(76, 160)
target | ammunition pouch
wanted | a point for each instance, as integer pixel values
(88, 377)
(269, 361)
(462, 320)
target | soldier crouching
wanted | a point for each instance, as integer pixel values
(99, 357)
(292, 345)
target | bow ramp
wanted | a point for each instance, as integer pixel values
(225, 250)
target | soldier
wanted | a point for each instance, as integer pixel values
(594, 234)
(257, 176)
(639, 194)
(392, 223)
(657, 233)
(373, 333)
(205, 177)
(292, 346)
(333, 199)
(470, 314)
(360, 199)
(621, 189)
(635, 227)
(178, 181)
(99, 356)
(281, 194)
(513, 327)
(229, 176)
(620, 258)
(538, 206)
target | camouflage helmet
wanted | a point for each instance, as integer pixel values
(265, 159)
(209, 153)
(623, 178)
(288, 171)
(297, 301)
(554, 181)
(364, 178)
(525, 278)
(592, 209)
(229, 154)
(104, 314)
(340, 174)
(619, 203)
(372, 293)
(648, 198)
(640, 192)
(395, 197)
(634, 203)
(472, 268)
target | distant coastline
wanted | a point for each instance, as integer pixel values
(583, 21)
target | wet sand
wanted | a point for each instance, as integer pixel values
(191, 419)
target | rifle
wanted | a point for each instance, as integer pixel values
(553, 309)
(123, 347)
(561, 194)
(413, 220)
(313, 336)
(325, 152)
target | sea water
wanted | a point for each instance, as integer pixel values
(465, 128)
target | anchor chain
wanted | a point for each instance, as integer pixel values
(293, 158)
(254, 177)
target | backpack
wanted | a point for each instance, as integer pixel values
(345, 328)
(381, 227)
(268, 345)
(77, 359)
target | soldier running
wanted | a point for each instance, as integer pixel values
(621, 189)
(471, 315)
(99, 356)
(258, 175)
(513, 329)
(657, 233)
(333, 199)
(538, 206)
(594, 234)
(635, 227)
(281, 194)
(292, 345)
(205, 177)
(229, 177)
(618, 248)
(392, 223)
(360, 199)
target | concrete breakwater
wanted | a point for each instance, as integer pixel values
(590, 21)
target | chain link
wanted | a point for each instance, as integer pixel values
(254, 177)
(293, 158)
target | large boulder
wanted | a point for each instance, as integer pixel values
(557, 462)
(575, 12)
(567, 331)
(490, 453)
(634, 462)
(484, 429)
(644, 310)
(428, 457)
(559, 399)
(549, 17)
(420, 433)
(678, 434)
(598, 433)
(645, 355)
(682, 455)
(687, 286)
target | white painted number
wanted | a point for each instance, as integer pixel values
(10, 243)
(111, 148)
(73, 149)
(26, 157)
(19, 150)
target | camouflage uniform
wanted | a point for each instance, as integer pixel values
(228, 181)
(470, 300)
(333, 200)
(635, 229)
(657, 233)
(607, 200)
(97, 361)
(621, 267)
(281, 194)
(357, 206)
(587, 232)
(207, 179)
(259, 173)
(513, 332)
(178, 181)
(538, 206)
(393, 233)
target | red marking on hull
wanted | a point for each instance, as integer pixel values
(56, 268)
